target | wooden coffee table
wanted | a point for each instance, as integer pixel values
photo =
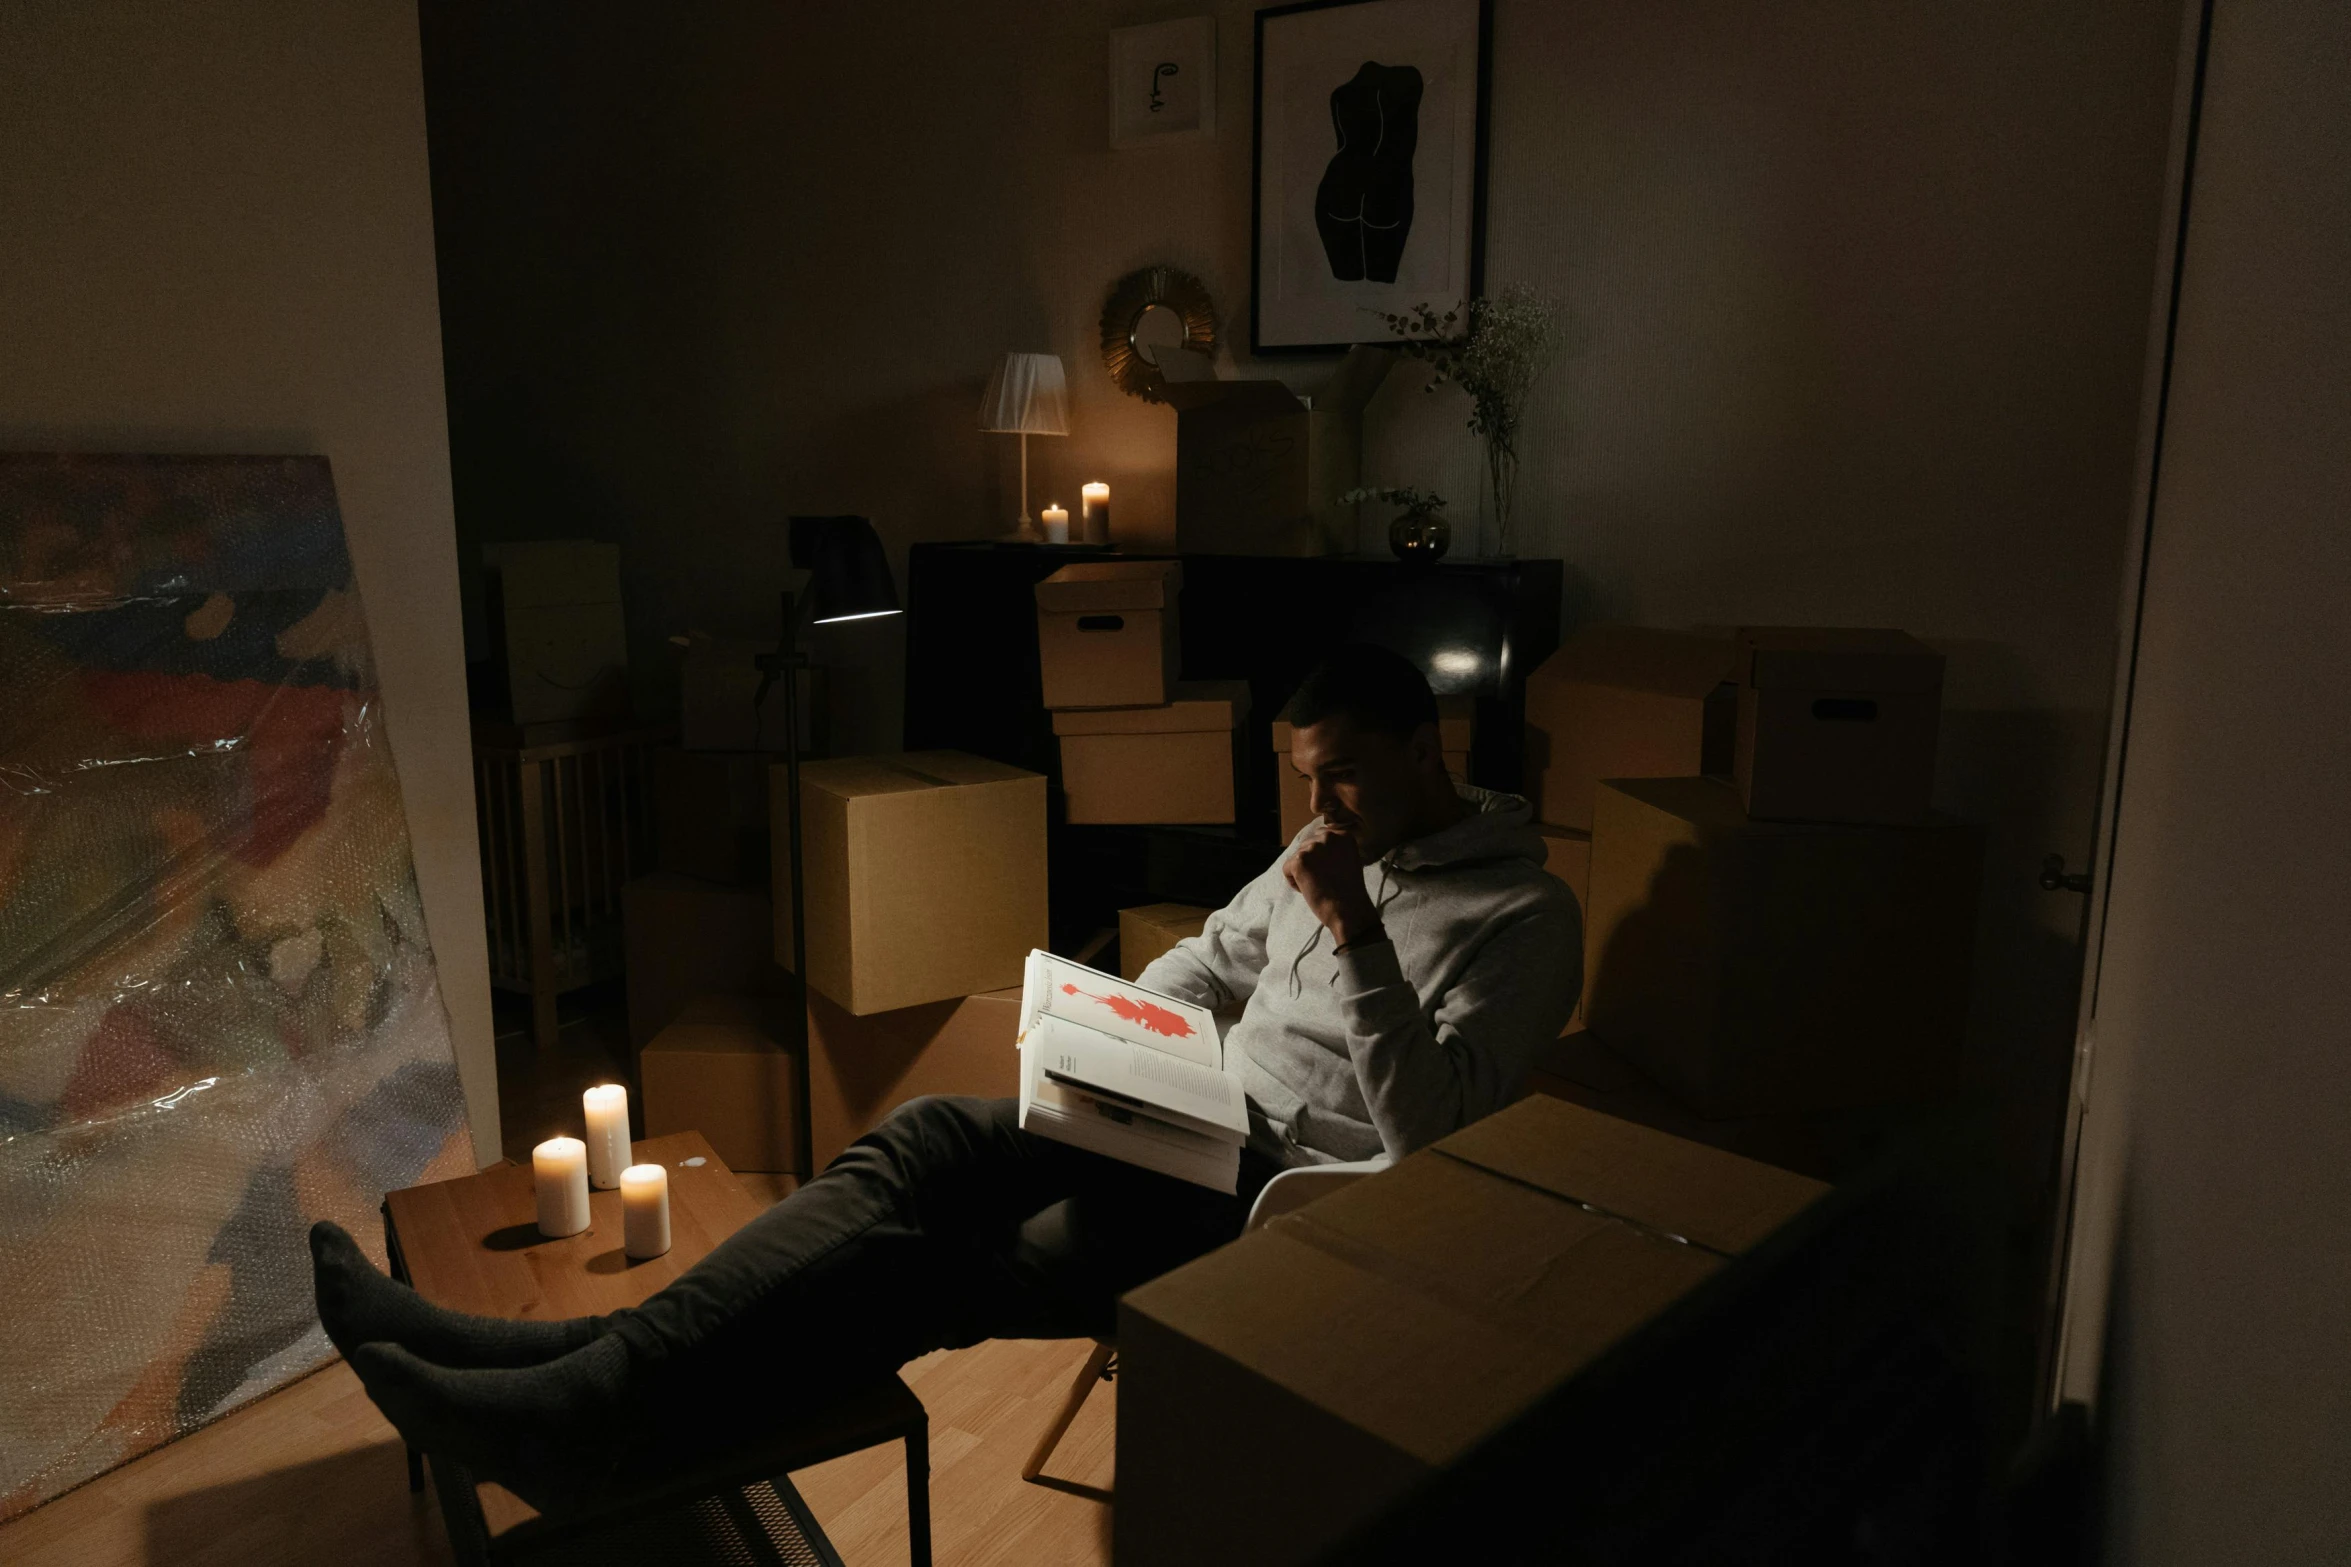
(472, 1244)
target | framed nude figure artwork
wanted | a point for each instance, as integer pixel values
(1370, 175)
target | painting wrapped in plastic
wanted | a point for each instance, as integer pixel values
(219, 1018)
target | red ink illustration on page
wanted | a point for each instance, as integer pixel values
(1155, 1018)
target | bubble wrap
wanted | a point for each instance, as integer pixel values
(219, 1018)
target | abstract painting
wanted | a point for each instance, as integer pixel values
(1370, 175)
(219, 1016)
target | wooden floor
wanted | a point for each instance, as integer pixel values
(312, 1474)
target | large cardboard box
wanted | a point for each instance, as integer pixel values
(862, 1068)
(1108, 633)
(555, 615)
(710, 816)
(1456, 732)
(1762, 968)
(723, 1069)
(1626, 702)
(1146, 933)
(1172, 763)
(1259, 471)
(1836, 725)
(1309, 1375)
(924, 876)
(686, 937)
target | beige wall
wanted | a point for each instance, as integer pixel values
(1858, 299)
(215, 236)
(2223, 1063)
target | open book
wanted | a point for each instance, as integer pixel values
(1108, 1066)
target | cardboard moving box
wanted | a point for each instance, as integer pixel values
(924, 876)
(1836, 725)
(1456, 732)
(558, 629)
(862, 1068)
(722, 1069)
(1763, 968)
(1145, 933)
(1108, 633)
(710, 816)
(686, 937)
(1172, 763)
(1260, 472)
(1626, 702)
(1307, 1376)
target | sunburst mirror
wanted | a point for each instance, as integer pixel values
(1149, 316)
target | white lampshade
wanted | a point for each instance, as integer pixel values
(1028, 395)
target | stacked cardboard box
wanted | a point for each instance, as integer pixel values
(685, 937)
(923, 876)
(1777, 930)
(1170, 763)
(1137, 745)
(862, 1068)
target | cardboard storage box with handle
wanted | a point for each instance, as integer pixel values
(1310, 1375)
(1836, 725)
(1626, 702)
(1172, 763)
(924, 876)
(1108, 633)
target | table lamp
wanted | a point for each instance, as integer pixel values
(848, 579)
(1028, 395)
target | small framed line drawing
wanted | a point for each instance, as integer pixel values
(1370, 166)
(1163, 82)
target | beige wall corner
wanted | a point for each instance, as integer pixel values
(218, 234)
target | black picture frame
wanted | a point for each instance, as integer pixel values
(1282, 331)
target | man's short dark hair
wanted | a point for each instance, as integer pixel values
(1371, 687)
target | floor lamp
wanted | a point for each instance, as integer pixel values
(1028, 395)
(848, 579)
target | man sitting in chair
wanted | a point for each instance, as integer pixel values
(1396, 971)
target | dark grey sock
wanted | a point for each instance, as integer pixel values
(551, 1434)
(358, 1305)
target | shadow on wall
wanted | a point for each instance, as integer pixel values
(2009, 769)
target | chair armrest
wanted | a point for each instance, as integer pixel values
(1294, 1189)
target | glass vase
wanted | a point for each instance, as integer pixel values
(1501, 494)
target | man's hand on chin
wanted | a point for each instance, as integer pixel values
(1327, 870)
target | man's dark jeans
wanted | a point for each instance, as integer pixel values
(944, 1226)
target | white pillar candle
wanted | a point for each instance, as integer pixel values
(1056, 524)
(644, 1210)
(560, 1167)
(607, 1108)
(1094, 511)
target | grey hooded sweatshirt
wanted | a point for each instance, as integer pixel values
(1392, 1044)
